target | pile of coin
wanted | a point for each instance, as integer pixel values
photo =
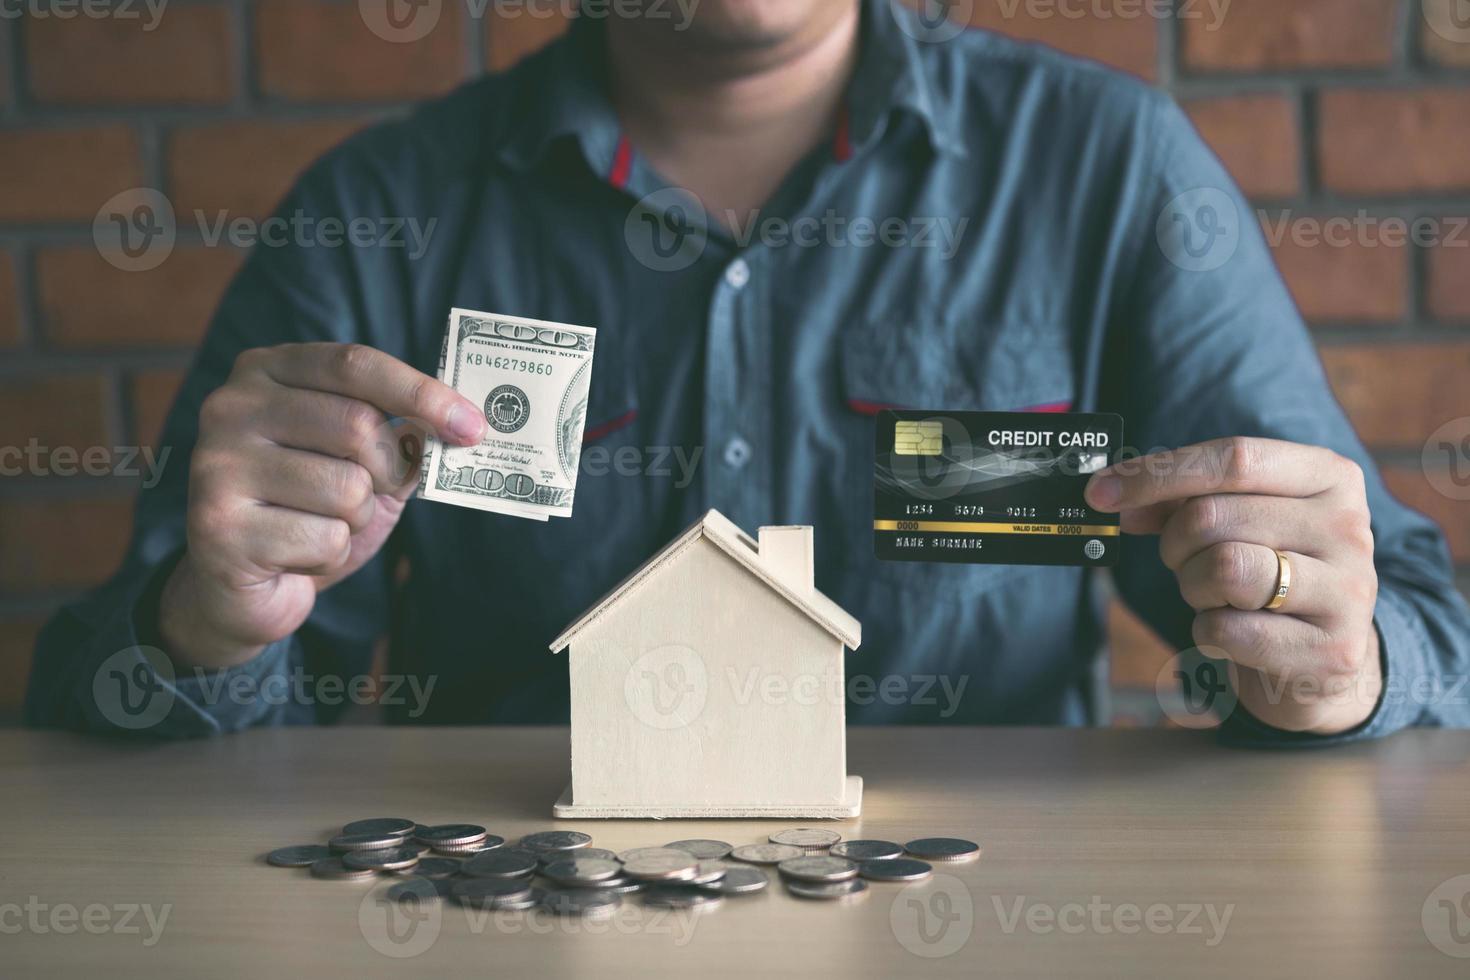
(558, 870)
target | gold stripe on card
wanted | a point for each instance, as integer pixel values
(997, 527)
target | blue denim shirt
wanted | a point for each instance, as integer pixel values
(992, 226)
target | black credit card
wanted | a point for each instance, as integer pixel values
(993, 488)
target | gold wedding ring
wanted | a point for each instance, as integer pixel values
(1283, 582)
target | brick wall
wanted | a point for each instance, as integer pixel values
(1355, 109)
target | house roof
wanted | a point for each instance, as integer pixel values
(721, 532)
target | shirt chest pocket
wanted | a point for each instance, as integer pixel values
(892, 364)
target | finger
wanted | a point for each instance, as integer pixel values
(1283, 646)
(381, 380)
(315, 484)
(334, 425)
(1276, 522)
(279, 539)
(1238, 465)
(1244, 576)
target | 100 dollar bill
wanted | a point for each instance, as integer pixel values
(530, 378)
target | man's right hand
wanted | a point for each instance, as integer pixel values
(296, 481)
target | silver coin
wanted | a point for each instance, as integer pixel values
(765, 853)
(895, 869)
(452, 834)
(503, 862)
(806, 838)
(333, 869)
(636, 852)
(388, 859)
(413, 890)
(828, 889)
(601, 853)
(708, 871)
(581, 871)
(739, 880)
(943, 849)
(434, 868)
(488, 893)
(555, 840)
(346, 843)
(298, 855)
(593, 902)
(488, 843)
(622, 884)
(529, 900)
(681, 897)
(867, 850)
(669, 865)
(818, 868)
(381, 827)
(705, 850)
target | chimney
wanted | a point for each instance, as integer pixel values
(787, 552)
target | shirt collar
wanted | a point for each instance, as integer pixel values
(565, 94)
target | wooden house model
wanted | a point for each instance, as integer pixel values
(710, 683)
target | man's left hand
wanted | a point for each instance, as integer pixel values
(1222, 511)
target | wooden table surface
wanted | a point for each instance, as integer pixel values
(1106, 853)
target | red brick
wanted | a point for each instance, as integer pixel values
(1394, 142)
(1446, 33)
(245, 168)
(61, 410)
(1448, 291)
(1398, 395)
(66, 174)
(61, 544)
(312, 51)
(17, 649)
(1137, 653)
(153, 395)
(9, 303)
(168, 306)
(1257, 138)
(1453, 516)
(186, 58)
(1128, 43)
(1291, 34)
(1340, 276)
(513, 32)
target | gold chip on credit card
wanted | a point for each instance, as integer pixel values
(918, 438)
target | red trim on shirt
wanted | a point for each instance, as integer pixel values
(622, 164)
(873, 408)
(842, 139)
(867, 408)
(608, 428)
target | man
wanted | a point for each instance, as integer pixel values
(286, 547)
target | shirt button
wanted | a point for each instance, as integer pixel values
(737, 453)
(738, 274)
